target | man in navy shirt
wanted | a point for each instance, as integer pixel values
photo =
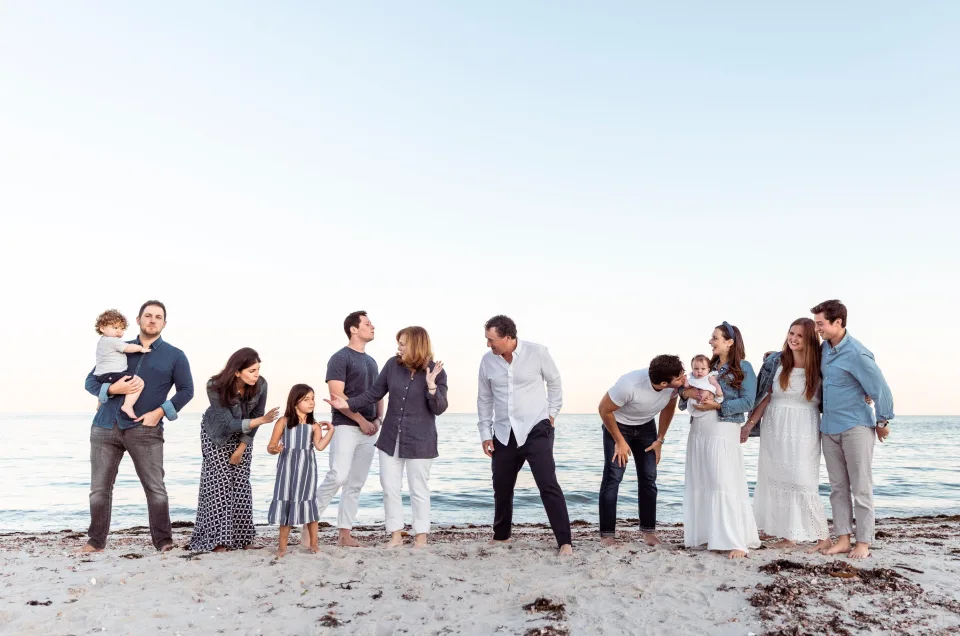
(113, 433)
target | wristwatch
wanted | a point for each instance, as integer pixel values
(662, 440)
(883, 424)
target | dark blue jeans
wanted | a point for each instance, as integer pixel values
(638, 438)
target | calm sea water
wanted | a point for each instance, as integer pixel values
(45, 473)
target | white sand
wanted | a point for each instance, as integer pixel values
(458, 585)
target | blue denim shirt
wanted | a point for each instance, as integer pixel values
(163, 367)
(849, 371)
(736, 402)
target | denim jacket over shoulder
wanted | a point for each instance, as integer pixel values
(736, 402)
(768, 372)
(223, 422)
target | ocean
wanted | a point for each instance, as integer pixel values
(46, 474)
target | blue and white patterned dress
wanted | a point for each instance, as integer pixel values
(295, 492)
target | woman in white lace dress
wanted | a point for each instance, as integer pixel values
(786, 501)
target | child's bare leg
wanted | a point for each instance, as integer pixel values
(237, 455)
(128, 401)
(284, 534)
(314, 541)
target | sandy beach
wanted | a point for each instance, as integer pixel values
(459, 585)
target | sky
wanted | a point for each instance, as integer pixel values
(618, 177)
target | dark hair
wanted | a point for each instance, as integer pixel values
(107, 318)
(812, 364)
(352, 320)
(664, 369)
(504, 326)
(297, 393)
(832, 310)
(153, 302)
(225, 382)
(737, 354)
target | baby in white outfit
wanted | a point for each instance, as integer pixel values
(702, 378)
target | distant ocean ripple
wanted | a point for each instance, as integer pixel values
(46, 476)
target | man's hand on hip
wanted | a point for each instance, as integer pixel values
(151, 418)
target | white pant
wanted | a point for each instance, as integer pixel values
(391, 480)
(351, 453)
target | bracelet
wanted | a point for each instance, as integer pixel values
(662, 440)
(431, 388)
(751, 423)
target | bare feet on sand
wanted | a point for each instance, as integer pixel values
(281, 553)
(608, 542)
(314, 548)
(784, 544)
(168, 547)
(499, 541)
(860, 550)
(737, 554)
(566, 549)
(651, 538)
(220, 548)
(346, 540)
(819, 547)
(420, 541)
(396, 540)
(842, 546)
(87, 549)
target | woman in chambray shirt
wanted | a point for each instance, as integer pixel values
(716, 503)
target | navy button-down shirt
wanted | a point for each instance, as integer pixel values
(164, 367)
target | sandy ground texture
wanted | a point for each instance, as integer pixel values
(459, 585)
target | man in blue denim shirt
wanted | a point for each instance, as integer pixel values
(848, 426)
(113, 433)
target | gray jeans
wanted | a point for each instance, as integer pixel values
(849, 460)
(145, 445)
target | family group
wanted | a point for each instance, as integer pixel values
(809, 396)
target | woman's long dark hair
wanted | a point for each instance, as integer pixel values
(811, 367)
(736, 354)
(225, 382)
(297, 393)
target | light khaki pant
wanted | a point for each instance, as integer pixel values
(849, 460)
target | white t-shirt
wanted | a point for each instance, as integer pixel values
(639, 402)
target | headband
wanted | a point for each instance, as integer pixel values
(730, 331)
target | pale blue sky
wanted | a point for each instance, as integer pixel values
(265, 169)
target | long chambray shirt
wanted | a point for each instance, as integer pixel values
(849, 371)
(736, 402)
(411, 412)
(164, 367)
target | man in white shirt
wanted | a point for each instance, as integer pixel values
(516, 424)
(627, 411)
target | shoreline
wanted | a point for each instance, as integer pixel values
(460, 585)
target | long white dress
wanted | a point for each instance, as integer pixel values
(716, 502)
(786, 501)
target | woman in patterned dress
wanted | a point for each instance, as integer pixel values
(295, 435)
(238, 397)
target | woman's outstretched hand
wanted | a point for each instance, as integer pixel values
(432, 375)
(338, 403)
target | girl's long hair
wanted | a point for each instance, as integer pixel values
(225, 382)
(297, 393)
(417, 354)
(736, 355)
(811, 367)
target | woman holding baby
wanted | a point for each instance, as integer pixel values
(716, 503)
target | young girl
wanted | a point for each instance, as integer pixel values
(701, 377)
(295, 493)
(111, 355)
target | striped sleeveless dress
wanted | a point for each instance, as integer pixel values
(295, 492)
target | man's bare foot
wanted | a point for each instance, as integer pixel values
(314, 548)
(608, 542)
(784, 544)
(566, 549)
(737, 554)
(819, 547)
(168, 547)
(220, 548)
(499, 541)
(396, 540)
(346, 540)
(281, 553)
(87, 549)
(129, 412)
(860, 551)
(651, 538)
(420, 541)
(842, 546)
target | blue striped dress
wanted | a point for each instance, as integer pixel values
(295, 493)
